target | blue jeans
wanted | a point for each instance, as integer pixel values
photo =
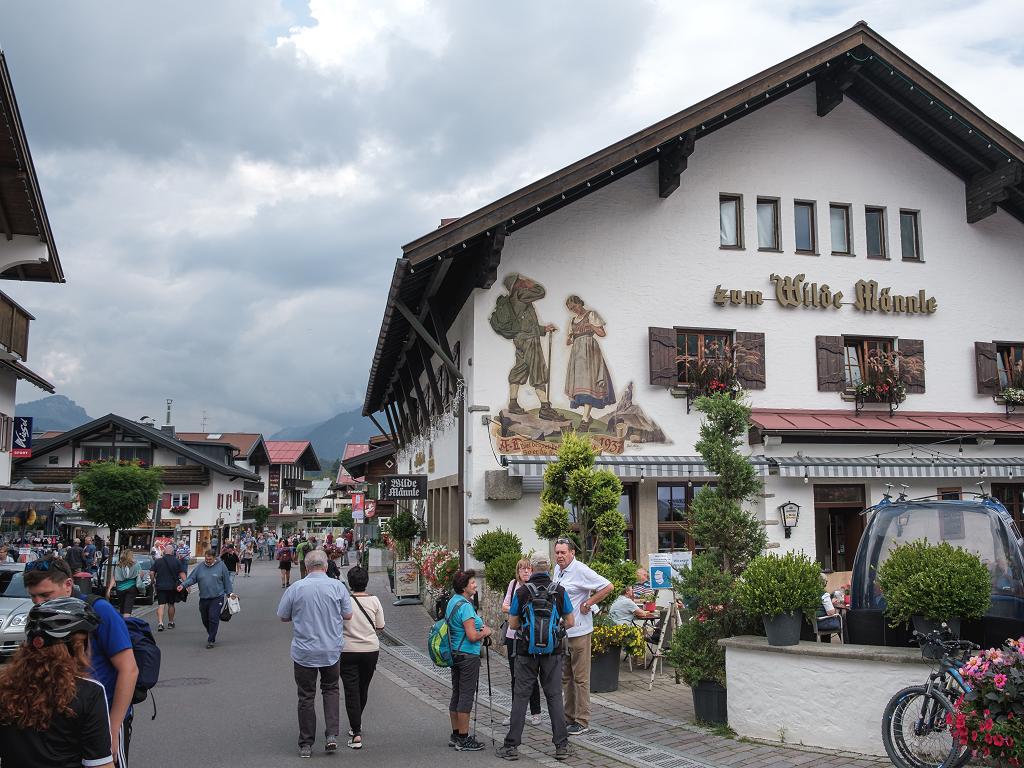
(209, 612)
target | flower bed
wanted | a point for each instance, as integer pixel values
(990, 719)
(437, 564)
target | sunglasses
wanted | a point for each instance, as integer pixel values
(46, 565)
(563, 540)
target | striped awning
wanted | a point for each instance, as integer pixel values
(531, 468)
(885, 466)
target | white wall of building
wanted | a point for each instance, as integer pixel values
(8, 385)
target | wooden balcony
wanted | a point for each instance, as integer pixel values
(14, 327)
(173, 475)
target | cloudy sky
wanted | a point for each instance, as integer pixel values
(230, 182)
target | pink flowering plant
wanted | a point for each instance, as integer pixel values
(437, 563)
(990, 719)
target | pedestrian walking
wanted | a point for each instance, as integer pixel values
(231, 559)
(362, 649)
(318, 608)
(523, 572)
(168, 572)
(125, 577)
(586, 588)
(540, 612)
(466, 632)
(89, 555)
(215, 583)
(111, 660)
(304, 547)
(284, 563)
(51, 712)
(247, 553)
(76, 557)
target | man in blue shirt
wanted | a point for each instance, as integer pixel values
(214, 580)
(547, 666)
(89, 555)
(110, 647)
(317, 606)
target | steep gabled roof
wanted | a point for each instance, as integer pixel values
(293, 452)
(160, 438)
(439, 270)
(351, 451)
(250, 445)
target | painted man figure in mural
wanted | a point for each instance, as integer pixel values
(515, 318)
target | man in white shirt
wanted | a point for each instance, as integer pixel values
(585, 588)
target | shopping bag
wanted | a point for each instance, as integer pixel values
(225, 612)
(234, 606)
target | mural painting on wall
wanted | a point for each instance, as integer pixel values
(588, 389)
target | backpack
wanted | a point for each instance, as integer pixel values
(146, 652)
(439, 641)
(540, 634)
(503, 319)
(286, 555)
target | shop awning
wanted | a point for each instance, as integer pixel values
(909, 425)
(885, 466)
(531, 468)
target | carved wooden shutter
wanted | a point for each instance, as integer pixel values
(664, 370)
(831, 373)
(749, 351)
(912, 365)
(985, 367)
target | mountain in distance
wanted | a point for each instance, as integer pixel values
(56, 412)
(329, 437)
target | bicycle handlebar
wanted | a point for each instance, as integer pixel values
(942, 638)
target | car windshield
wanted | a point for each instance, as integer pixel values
(12, 584)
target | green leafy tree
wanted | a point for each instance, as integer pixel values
(260, 516)
(118, 496)
(731, 537)
(344, 518)
(403, 528)
(577, 493)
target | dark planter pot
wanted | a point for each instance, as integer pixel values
(604, 671)
(924, 626)
(783, 629)
(710, 702)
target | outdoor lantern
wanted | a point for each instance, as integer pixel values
(790, 514)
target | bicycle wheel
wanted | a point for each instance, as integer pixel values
(915, 733)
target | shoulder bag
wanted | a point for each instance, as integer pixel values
(362, 610)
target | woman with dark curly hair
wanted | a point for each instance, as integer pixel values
(50, 713)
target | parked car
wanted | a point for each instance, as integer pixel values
(147, 595)
(14, 607)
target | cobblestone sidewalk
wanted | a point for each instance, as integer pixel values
(630, 726)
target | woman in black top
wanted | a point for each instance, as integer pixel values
(50, 713)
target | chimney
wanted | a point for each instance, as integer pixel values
(168, 427)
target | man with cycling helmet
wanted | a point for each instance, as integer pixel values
(51, 713)
(110, 647)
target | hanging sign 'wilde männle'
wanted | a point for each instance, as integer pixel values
(797, 292)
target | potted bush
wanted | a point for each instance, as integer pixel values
(781, 590)
(932, 584)
(606, 644)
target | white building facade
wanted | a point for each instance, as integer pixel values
(798, 223)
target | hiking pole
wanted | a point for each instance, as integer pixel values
(490, 703)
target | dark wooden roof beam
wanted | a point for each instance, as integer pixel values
(672, 160)
(420, 399)
(435, 391)
(428, 339)
(487, 265)
(987, 189)
(5, 220)
(831, 84)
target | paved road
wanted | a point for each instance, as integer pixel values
(234, 705)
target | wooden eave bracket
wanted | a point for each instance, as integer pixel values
(672, 161)
(830, 86)
(986, 189)
(417, 326)
(487, 270)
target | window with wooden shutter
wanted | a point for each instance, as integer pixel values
(165, 501)
(220, 501)
(831, 367)
(912, 365)
(662, 342)
(193, 501)
(748, 349)
(227, 500)
(1010, 364)
(986, 368)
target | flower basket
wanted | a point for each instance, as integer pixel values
(990, 719)
(437, 564)
(181, 509)
(1013, 395)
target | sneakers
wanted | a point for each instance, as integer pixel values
(535, 719)
(159, 627)
(452, 740)
(507, 752)
(209, 645)
(507, 720)
(332, 744)
(353, 744)
(563, 752)
(170, 625)
(468, 744)
(305, 751)
(575, 729)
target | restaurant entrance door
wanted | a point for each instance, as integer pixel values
(838, 524)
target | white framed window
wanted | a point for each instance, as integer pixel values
(768, 235)
(730, 221)
(179, 499)
(804, 226)
(910, 235)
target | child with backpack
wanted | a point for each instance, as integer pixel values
(540, 612)
(523, 572)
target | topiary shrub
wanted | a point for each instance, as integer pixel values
(936, 581)
(501, 570)
(492, 544)
(621, 574)
(772, 585)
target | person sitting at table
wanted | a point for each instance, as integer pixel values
(829, 617)
(624, 609)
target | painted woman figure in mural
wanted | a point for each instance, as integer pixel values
(587, 381)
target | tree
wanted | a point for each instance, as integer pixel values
(117, 495)
(731, 537)
(577, 494)
(260, 515)
(344, 518)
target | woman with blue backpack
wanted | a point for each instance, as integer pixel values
(523, 573)
(466, 631)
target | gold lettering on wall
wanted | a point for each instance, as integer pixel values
(795, 291)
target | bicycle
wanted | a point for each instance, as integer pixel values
(915, 727)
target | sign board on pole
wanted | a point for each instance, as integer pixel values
(681, 560)
(358, 517)
(21, 439)
(371, 509)
(407, 579)
(403, 487)
(357, 502)
(659, 570)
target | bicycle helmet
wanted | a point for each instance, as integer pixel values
(55, 621)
